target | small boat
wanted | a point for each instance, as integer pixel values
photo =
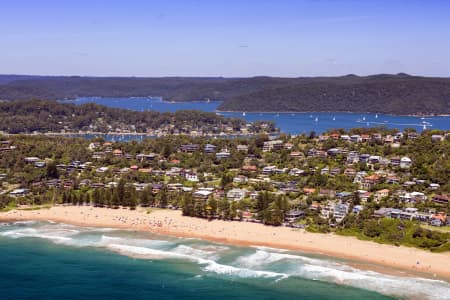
(316, 119)
(424, 126)
(364, 118)
(293, 115)
(376, 116)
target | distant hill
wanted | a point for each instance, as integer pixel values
(396, 94)
(400, 94)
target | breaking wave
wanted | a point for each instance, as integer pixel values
(220, 260)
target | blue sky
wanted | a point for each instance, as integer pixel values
(224, 38)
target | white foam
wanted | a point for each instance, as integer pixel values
(411, 288)
(210, 265)
(330, 271)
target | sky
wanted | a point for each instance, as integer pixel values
(230, 38)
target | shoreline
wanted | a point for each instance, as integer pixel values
(368, 255)
(332, 111)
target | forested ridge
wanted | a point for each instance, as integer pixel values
(43, 116)
(394, 94)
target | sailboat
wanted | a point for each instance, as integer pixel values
(316, 119)
(334, 118)
(243, 114)
(376, 116)
(364, 118)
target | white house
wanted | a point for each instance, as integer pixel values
(405, 162)
(236, 194)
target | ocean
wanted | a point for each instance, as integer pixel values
(292, 123)
(45, 260)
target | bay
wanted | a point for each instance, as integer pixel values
(288, 122)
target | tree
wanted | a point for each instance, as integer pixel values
(51, 170)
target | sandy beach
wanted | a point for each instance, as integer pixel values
(171, 222)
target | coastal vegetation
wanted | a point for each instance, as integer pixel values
(391, 94)
(51, 116)
(376, 183)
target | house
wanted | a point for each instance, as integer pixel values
(296, 172)
(31, 159)
(240, 179)
(294, 215)
(349, 172)
(355, 138)
(340, 211)
(333, 151)
(370, 181)
(39, 164)
(209, 148)
(202, 194)
(19, 192)
(392, 179)
(288, 146)
(309, 191)
(93, 146)
(118, 153)
(364, 195)
(191, 176)
(324, 137)
(327, 210)
(236, 194)
(357, 209)
(343, 196)
(102, 170)
(405, 162)
(380, 194)
(443, 199)
(327, 193)
(243, 148)
(413, 197)
(434, 186)
(325, 171)
(395, 161)
(413, 135)
(272, 145)
(268, 170)
(364, 157)
(365, 138)
(145, 157)
(189, 148)
(437, 138)
(374, 159)
(296, 154)
(335, 171)
(223, 154)
(438, 219)
(382, 212)
(335, 136)
(249, 168)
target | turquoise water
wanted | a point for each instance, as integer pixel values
(41, 260)
(293, 123)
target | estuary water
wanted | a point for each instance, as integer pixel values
(288, 122)
(44, 260)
